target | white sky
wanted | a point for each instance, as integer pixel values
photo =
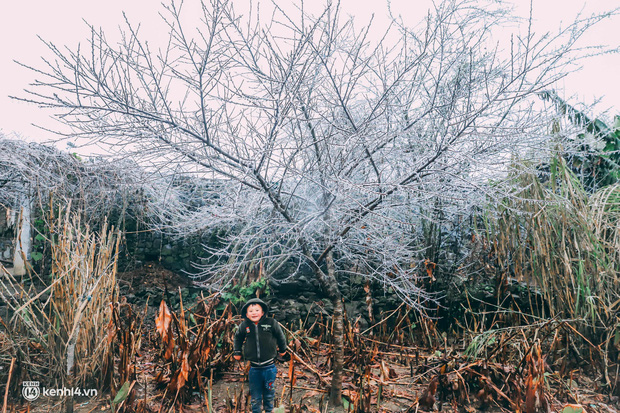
(61, 22)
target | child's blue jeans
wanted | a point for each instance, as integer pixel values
(262, 387)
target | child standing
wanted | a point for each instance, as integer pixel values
(261, 335)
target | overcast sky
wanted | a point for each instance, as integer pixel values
(61, 22)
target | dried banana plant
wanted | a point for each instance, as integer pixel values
(194, 342)
(124, 341)
(535, 397)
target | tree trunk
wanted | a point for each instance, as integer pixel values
(335, 396)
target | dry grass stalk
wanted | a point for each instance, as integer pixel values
(61, 322)
(566, 242)
(8, 386)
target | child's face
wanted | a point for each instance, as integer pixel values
(254, 312)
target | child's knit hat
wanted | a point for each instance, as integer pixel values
(244, 309)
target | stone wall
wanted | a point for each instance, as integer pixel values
(178, 255)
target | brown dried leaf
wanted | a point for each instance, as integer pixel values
(162, 322)
(427, 398)
(312, 342)
(160, 377)
(170, 345)
(35, 346)
(531, 392)
(111, 328)
(173, 385)
(430, 268)
(311, 393)
(291, 370)
(205, 354)
(183, 372)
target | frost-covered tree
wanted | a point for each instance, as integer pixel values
(321, 141)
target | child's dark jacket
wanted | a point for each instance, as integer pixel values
(263, 340)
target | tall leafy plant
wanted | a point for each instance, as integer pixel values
(596, 160)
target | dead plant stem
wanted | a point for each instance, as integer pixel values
(8, 386)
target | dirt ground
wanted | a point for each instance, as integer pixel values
(400, 394)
